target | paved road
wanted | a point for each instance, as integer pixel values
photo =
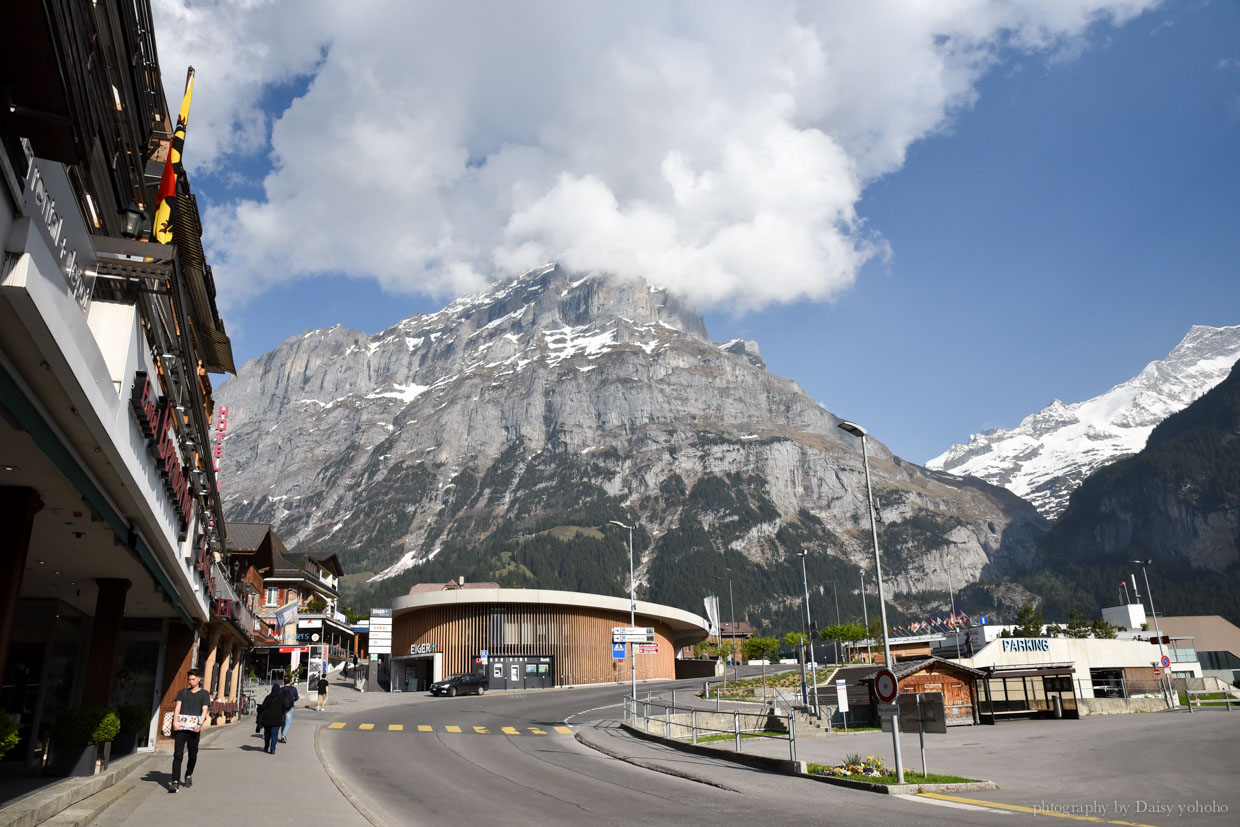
(500, 758)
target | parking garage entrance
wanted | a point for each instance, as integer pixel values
(1027, 691)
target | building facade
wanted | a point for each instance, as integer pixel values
(530, 638)
(112, 520)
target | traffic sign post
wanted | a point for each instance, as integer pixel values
(1166, 661)
(886, 686)
(647, 648)
(617, 651)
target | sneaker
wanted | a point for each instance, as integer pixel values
(189, 781)
(172, 786)
(283, 740)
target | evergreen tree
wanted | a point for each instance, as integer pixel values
(1078, 625)
(1029, 622)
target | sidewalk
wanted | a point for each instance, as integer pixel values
(234, 779)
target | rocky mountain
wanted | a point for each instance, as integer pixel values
(1177, 503)
(1048, 455)
(498, 437)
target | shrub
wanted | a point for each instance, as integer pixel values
(134, 718)
(84, 726)
(8, 734)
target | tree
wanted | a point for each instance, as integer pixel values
(845, 632)
(763, 649)
(1078, 625)
(1029, 622)
(1103, 630)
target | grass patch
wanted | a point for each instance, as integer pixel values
(839, 730)
(889, 779)
(703, 739)
(568, 532)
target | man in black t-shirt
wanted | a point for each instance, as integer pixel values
(187, 717)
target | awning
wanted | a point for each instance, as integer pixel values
(1028, 670)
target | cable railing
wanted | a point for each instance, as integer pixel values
(696, 725)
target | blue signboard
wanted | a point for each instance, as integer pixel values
(617, 651)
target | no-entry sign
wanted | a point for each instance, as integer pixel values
(885, 685)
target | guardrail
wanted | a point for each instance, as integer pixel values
(693, 725)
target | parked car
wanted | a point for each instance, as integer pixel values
(461, 684)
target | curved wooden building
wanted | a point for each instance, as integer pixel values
(529, 638)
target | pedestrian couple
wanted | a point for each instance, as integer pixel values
(275, 714)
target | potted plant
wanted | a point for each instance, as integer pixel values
(8, 734)
(83, 737)
(135, 720)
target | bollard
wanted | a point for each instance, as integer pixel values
(667, 722)
(792, 736)
(736, 726)
(693, 723)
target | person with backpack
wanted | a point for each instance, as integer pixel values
(291, 691)
(271, 714)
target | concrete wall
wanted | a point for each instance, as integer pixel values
(1118, 706)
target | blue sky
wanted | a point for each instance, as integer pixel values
(1052, 213)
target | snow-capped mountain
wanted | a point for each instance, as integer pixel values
(1048, 455)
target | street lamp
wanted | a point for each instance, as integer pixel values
(632, 612)
(1157, 631)
(865, 613)
(857, 431)
(951, 592)
(809, 627)
(732, 607)
(836, 590)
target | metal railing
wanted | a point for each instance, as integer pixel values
(695, 725)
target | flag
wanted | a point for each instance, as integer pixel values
(712, 614)
(172, 168)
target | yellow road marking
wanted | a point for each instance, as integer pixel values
(425, 728)
(538, 731)
(396, 727)
(481, 730)
(365, 726)
(1034, 810)
(510, 730)
(453, 728)
(563, 730)
(337, 725)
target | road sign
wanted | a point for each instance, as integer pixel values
(483, 656)
(983, 620)
(632, 630)
(617, 651)
(1158, 673)
(1166, 661)
(841, 695)
(647, 648)
(642, 638)
(888, 710)
(885, 686)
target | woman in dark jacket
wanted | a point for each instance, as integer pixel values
(271, 716)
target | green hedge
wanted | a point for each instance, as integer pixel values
(87, 726)
(8, 734)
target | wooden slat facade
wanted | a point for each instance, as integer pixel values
(578, 638)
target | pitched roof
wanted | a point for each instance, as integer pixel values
(903, 669)
(245, 536)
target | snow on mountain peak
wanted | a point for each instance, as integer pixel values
(1045, 457)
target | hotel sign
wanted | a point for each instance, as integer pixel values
(52, 207)
(155, 419)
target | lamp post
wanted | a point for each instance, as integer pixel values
(732, 648)
(809, 627)
(865, 614)
(857, 431)
(1157, 631)
(951, 592)
(632, 612)
(835, 590)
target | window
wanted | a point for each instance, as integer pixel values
(273, 595)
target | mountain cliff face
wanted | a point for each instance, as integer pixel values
(499, 436)
(1051, 452)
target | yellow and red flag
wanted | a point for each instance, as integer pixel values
(172, 169)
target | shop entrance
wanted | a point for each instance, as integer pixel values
(416, 673)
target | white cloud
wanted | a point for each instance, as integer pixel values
(718, 150)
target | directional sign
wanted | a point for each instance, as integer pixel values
(885, 685)
(617, 651)
(647, 648)
(632, 630)
(888, 710)
(1166, 661)
(642, 638)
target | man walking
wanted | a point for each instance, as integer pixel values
(291, 691)
(322, 692)
(187, 718)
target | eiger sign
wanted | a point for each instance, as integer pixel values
(1026, 644)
